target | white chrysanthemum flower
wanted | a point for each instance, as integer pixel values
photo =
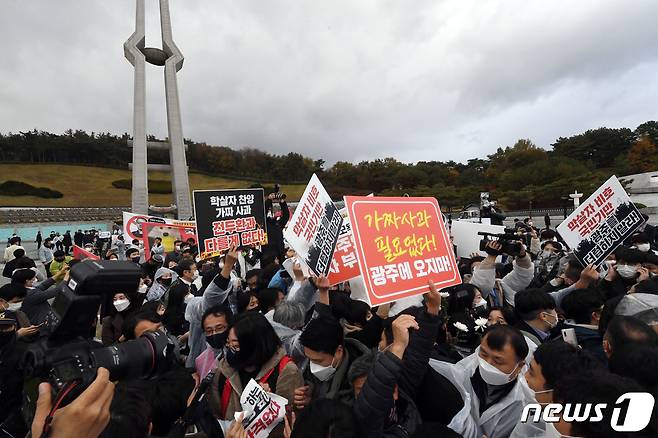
(461, 327)
(481, 324)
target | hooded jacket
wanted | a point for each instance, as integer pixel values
(497, 420)
(216, 293)
(158, 290)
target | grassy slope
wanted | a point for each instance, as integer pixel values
(92, 186)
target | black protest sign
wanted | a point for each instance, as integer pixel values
(226, 218)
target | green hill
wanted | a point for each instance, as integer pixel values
(92, 186)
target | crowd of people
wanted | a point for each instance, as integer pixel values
(462, 361)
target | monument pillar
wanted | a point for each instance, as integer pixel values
(133, 52)
(172, 59)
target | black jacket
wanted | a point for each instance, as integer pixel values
(275, 228)
(615, 288)
(11, 388)
(12, 265)
(35, 305)
(375, 403)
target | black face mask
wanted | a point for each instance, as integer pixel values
(218, 340)
(6, 338)
(165, 281)
(135, 259)
(232, 357)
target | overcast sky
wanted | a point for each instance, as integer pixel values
(340, 80)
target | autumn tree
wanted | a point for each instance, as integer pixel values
(642, 156)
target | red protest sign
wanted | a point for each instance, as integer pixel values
(82, 254)
(401, 244)
(344, 264)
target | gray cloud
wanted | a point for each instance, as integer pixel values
(343, 80)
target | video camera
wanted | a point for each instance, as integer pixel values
(69, 357)
(508, 239)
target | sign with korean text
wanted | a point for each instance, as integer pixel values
(167, 233)
(344, 264)
(601, 223)
(226, 218)
(314, 228)
(263, 410)
(402, 244)
(132, 224)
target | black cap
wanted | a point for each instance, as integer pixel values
(8, 318)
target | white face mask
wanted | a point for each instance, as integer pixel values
(551, 324)
(625, 271)
(142, 289)
(195, 276)
(492, 375)
(14, 306)
(121, 305)
(480, 303)
(644, 247)
(528, 392)
(187, 298)
(323, 373)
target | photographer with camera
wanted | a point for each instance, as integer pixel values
(85, 417)
(484, 275)
(12, 349)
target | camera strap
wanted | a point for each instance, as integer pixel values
(47, 424)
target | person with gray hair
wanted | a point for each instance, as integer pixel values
(290, 314)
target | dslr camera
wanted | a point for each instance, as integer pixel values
(509, 241)
(69, 357)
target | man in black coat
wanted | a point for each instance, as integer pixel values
(20, 261)
(67, 242)
(78, 238)
(275, 226)
(386, 386)
(11, 378)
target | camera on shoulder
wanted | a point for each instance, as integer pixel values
(69, 357)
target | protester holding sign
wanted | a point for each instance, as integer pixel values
(227, 218)
(253, 351)
(402, 243)
(405, 349)
(314, 228)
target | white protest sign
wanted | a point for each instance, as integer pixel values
(263, 411)
(601, 223)
(465, 236)
(289, 263)
(314, 227)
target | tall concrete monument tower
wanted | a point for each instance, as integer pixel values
(172, 60)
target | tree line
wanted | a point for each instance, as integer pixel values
(516, 175)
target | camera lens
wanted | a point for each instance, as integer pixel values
(141, 358)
